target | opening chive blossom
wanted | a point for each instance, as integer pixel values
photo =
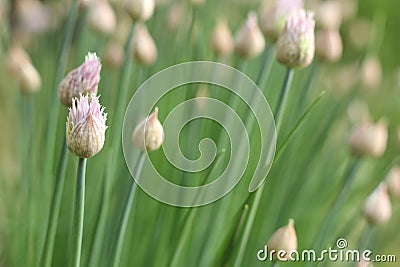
(81, 80)
(86, 126)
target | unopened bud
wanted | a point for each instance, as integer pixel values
(295, 46)
(249, 41)
(328, 45)
(221, 39)
(86, 126)
(101, 17)
(393, 182)
(284, 239)
(377, 207)
(20, 66)
(329, 14)
(149, 134)
(143, 45)
(369, 139)
(140, 10)
(82, 80)
(371, 73)
(113, 54)
(363, 263)
(274, 15)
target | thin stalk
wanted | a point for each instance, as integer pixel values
(115, 149)
(266, 67)
(275, 264)
(79, 211)
(365, 237)
(283, 99)
(54, 104)
(48, 247)
(330, 219)
(278, 118)
(123, 223)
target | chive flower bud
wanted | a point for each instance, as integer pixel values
(140, 10)
(377, 207)
(274, 15)
(101, 17)
(369, 139)
(86, 126)
(295, 46)
(143, 45)
(221, 41)
(284, 239)
(149, 134)
(328, 45)
(393, 182)
(82, 80)
(249, 41)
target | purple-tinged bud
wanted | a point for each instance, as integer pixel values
(249, 41)
(377, 207)
(295, 46)
(273, 16)
(371, 73)
(82, 80)
(86, 126)
(149, 134)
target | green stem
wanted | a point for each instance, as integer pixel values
(330, 219)
(47, 252)
(115, 149)
(123, 223)
(275, 264)
(266, 67)
(54, 104)
(79, 210)
(283, 99)
(278, 117)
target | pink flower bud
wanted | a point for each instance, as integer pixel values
(295, 46)
(273, 16)
(377, 207)
(86, 126)
(82, 80)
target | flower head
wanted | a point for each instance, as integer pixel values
(377, 207)
(101, 17)
(273, 17)
(86, 126)
(284, 239)
(249, 41)
(393, 182)
(295, 46)
(149, 134)
(82, 80)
